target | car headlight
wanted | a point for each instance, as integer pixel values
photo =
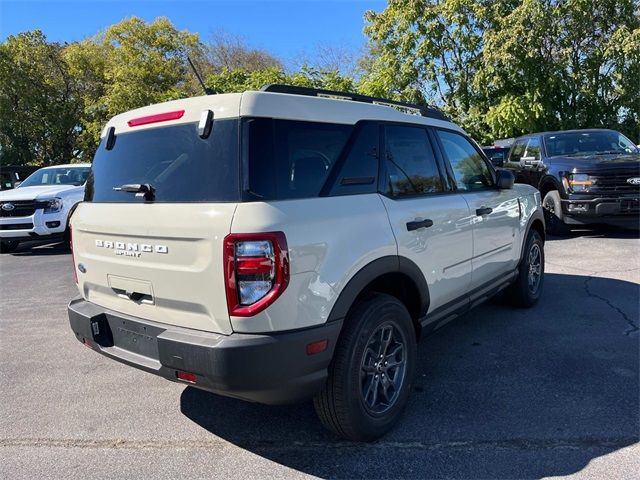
(579, 182)
(53, 206)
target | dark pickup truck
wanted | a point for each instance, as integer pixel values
(584, 176)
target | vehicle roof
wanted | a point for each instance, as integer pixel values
(575, 130)
(67, 165)
(272, 105)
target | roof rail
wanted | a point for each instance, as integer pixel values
(336, 95)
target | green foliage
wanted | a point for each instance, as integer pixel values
(39, 105)
(506, 67)
(130, 65)
(240, 80)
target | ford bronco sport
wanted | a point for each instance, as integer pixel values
(291, 243)
(585, 176)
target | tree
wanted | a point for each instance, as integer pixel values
(130, 65)
(506, 67)
(39, 105)
(241, 80)
(230, 52)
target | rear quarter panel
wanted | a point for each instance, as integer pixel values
(330, 239)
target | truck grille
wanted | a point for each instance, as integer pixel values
(614, 184)
(22, 208)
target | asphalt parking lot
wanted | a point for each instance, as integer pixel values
(501, 393)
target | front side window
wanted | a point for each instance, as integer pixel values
(57, 176)
(469, 169)
(410, 162)
(533, 148)
(517, 151)
(290, 159)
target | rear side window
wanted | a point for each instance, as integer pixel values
(469, 169)
(290, 159)
(174, 160)
(410, 162)
(359, 171)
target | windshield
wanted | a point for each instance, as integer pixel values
(57, 176)
(174, 161)
(599, 142)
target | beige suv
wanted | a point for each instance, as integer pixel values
(294, 243)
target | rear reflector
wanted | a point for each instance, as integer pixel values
(317, 347)
(159, 117)
(186, 376)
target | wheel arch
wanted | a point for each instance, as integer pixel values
(395, 275)
(547, 184)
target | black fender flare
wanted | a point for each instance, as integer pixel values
(536, 215)
(373, 270)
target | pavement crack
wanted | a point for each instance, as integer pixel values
(632, 325)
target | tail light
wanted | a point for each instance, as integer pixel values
(73, 258)
(256, 269)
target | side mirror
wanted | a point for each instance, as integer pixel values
(16, 184)
(530, 162)
(505, 179)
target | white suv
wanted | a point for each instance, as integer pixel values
(39, 208)
(293, 243)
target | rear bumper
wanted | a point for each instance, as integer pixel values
(623, 211)
(266, 368)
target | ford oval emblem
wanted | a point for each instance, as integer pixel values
(82, 268)
(7, 207)
(632, 181)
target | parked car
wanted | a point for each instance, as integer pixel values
(585, 177)
(39, 208)
(12, 175)
(293, 243)
(497, 155)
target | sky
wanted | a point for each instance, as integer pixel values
(287, 29)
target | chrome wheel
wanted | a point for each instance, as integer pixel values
(535, 268)
(383, 368)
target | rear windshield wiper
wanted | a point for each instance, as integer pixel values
(142, 190)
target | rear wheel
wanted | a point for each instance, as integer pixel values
(8, 246)
(553, 214)
(527, 288)
(372, 370)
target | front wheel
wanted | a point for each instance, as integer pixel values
(553, 214)
(372, 371)
(8, 246)
(527, 288)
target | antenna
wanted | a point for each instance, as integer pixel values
(207, 91)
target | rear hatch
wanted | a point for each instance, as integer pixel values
(160, 256)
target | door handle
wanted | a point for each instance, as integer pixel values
(416, 224)
(484, 211)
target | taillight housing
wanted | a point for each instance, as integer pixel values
(256, 270)
(73, 258)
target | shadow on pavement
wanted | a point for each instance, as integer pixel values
(28, 249)
(500, 393)
(598, 231)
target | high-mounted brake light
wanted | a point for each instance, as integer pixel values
(158, 117)
(256, 269)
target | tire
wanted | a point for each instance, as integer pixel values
(8, 246)
(66, 239)
(553, 214)
(349, 404)
(522, 293)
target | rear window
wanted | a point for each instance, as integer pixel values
(174, 160)
(291, 159)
